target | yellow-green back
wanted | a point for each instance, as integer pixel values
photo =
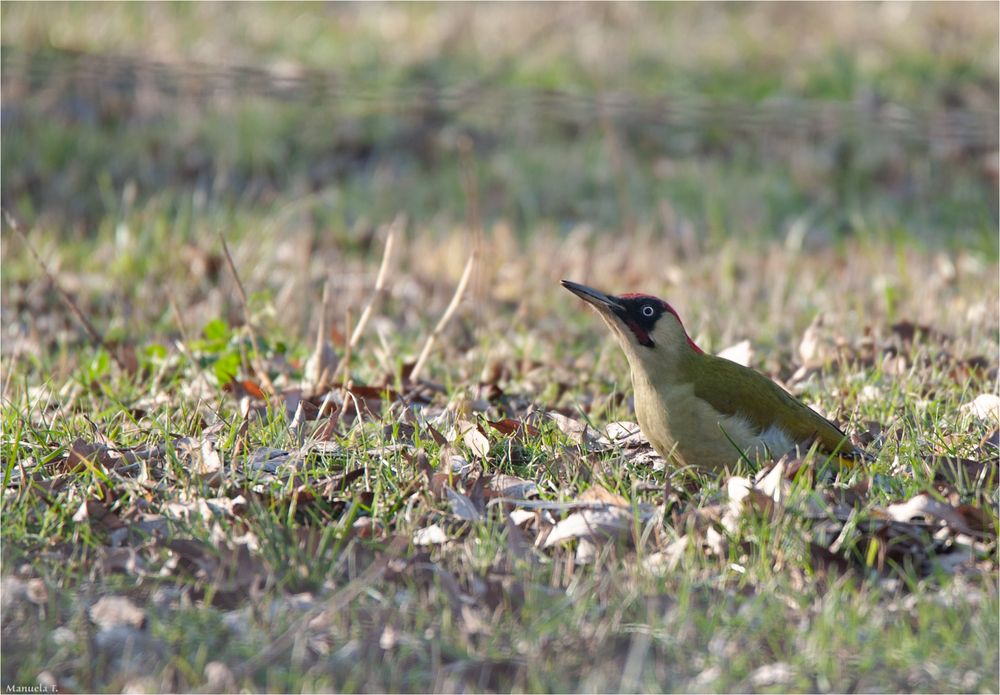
(733, 389)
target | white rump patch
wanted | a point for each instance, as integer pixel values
(777, 441)
(771, 444)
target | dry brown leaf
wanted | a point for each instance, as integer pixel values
(373, 393)
(432, 535)
(90, 455)
(660, 563)
(986, 407)
(950, 469)
(815, 349)
(36, 591)
(277, 462)
(601, 524)
(909, 331)
(697, 519)
(743, 495)
(253, 389)
(598, 493)
(98, 515)
(477, 442)
(126, 560)
(823, 560)
(206, 461)
(625, 434)
(773, 482)
(579, 432)
(510, 486)
(894, 364)
(438, 438)
(112, 611)
(453, 464)
(461, 506)
(873, 433)
(978, 519)
(510, 426)
(366, 527)
(231, 568)
(715, 542)
(517, 542)
(924, 506)
(519, 517)
(960, 560)
(219, 678)
(206, 507)
(769, 675)
(399, 431)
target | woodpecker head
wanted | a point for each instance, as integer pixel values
(648, 329)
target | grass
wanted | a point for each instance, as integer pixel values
(269, 547)
(532, 620)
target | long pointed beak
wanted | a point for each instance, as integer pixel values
(602, 302)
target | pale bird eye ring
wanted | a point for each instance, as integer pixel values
(647, 310)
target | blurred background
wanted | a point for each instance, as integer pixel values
(133, 132)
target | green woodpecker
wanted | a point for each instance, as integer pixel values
(698, 409)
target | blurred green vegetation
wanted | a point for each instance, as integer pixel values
(745, 120)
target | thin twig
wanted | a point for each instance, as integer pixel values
(325, 405)
(445, 318)
(378, 294)
(67, 300)
(321, 328)
(347, 358)
(397, 225)
(18, 348)
(236, 276)
(255, 360)
(318, 369)
(178, 317)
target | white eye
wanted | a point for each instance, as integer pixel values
(648, 310)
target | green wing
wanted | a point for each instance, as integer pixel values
(733, 389)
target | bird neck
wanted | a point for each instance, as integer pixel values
(665, 365)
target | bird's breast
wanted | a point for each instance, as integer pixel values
(686, 428)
